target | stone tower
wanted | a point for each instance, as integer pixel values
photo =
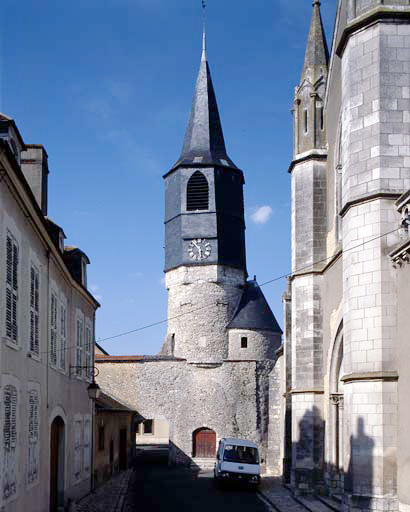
(204, 234)
(308, 170)
(218, 373)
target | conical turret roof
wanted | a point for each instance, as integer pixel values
(204, 141)
(253, 312)
(317, 53)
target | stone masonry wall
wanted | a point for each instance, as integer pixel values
(376, 162)
(201, 302)
(232, 399)
(260, 344)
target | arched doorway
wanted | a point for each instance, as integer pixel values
(336, 415)
(204, 443)
(57, 440)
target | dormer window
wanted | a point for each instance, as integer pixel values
(13, 146)
(84, 272)
(197, 192)
(61, 242)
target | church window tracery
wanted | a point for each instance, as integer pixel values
(197, 192)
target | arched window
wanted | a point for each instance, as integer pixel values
(197, 192)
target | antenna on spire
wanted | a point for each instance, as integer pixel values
(203, 3)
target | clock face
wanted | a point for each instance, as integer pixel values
(199, 249)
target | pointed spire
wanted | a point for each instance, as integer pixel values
(204, 141)
(317, 53)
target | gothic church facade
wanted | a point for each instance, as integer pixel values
(218, 373)
(346, 308)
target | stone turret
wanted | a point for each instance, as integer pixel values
(309, 119)
(309, 230)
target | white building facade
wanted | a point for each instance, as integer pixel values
(46, 342)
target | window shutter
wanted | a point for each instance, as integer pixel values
(53, 330)
(9, 441)
(33, 436)
(15, 266)
(9, 260)
(12, 260)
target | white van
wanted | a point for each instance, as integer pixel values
(237, 460)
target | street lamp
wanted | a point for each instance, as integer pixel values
(93, 390)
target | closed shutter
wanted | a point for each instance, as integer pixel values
(53, 330)
(63, 336)
(77, 449)
(33, 436)
(34, 310)
(87, 445)
(12, 260)
(9, 441)
(79, 347)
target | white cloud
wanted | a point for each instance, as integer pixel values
(261, 214)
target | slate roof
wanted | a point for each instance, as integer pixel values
(204, 141)
(317, 53)
(253, 312)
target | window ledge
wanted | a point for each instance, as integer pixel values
(34, 356)
(11, 344)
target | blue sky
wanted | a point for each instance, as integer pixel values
(106, 86)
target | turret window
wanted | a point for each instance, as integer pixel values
(244, 342)
(321, 118)
(305, 120)
(197, 192)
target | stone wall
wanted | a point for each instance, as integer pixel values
(201, 302)
(231, 398)
(260, 344)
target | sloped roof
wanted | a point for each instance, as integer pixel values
(253, 312)
(204, 142)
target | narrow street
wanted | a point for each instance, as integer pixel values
(158, 487)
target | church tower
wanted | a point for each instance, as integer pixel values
(204, 234)
(309, 228)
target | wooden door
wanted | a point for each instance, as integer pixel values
(204, 443)
(123, 449)
(56, 462)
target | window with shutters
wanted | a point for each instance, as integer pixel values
(53, 329)
(197, 192)
(34, 310)
(87, 347)
(33, 437)
(77, 449)
(63, 336)
(9, 441)
(87, 445)
(79, 347)
(12, 266)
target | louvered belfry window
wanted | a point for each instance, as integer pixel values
(9, 441)
(53, 330)
(12, 263)
(34, 310)
(197, 192)
(33, 436)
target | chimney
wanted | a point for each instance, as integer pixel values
(34, 164)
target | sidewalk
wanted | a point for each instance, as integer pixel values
(109, 497)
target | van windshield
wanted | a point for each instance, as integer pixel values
(244, 454)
